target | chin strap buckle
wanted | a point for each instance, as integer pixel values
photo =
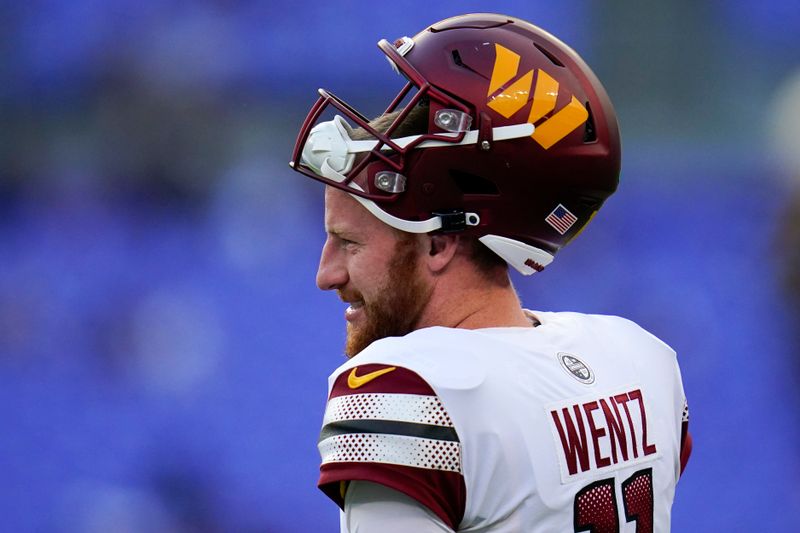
(456, 220)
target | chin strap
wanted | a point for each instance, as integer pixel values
(440, 221)
(409, 226)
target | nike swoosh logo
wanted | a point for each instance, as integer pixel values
(355, 381)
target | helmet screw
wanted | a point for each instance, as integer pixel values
(485, 145)
(427, 188)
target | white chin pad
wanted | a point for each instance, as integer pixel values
(328, 144)
(525, 258)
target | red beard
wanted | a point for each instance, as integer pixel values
(398, 304)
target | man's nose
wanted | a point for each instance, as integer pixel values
(331, 273)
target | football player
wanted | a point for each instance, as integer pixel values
(458, 409)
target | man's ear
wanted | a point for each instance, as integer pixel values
(441, 250)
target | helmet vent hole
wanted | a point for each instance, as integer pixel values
(550, 56)
(590, 133)
(471, 184)
(460, 62)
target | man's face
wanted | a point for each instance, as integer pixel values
(373, 269)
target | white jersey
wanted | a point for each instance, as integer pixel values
(575, 425)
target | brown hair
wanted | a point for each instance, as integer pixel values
(414, 124)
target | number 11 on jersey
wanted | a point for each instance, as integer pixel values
(596, 504)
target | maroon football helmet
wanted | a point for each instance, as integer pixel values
(521, 146)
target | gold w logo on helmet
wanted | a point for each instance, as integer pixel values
(516, 95)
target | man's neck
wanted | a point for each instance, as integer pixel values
(469, 302)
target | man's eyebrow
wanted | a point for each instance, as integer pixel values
(340, 233)
(333, 231)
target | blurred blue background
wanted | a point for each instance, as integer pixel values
(163, 347)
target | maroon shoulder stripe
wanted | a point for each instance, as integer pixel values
(379, 378)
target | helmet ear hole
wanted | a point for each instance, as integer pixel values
(472, 184)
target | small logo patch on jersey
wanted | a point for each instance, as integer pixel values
(355, 381)
(576, 368)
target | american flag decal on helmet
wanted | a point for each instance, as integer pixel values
(561, 219)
